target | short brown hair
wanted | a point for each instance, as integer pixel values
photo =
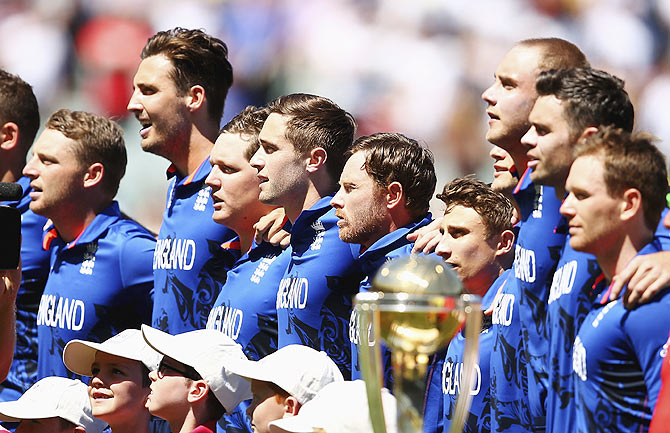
(314, 122)
(556, 53)
(248, 123)
(630, 161)
(18, 104)
(97, 139)
(592, 97)
(493, 207)
(391, 157)
(197, 59)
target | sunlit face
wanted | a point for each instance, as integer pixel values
(116, 390)
(56, 176)
(169, 390)
(44, 425)
(466, 246)
(157, 105)
(360, 204)
(549, 142)
(264, 407)
(234, 184)
(510, 99)
(281, 170)
(503, 166)
(591, 212)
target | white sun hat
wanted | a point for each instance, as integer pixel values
(340, 407)
(209, 352)
(299, 370)
(79, 355)
(54, 397)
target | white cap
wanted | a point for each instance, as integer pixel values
(54, 397)
(340, 407)
(79, 355)
(299, 370)
(209, 352)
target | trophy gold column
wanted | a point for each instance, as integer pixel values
(416, 306)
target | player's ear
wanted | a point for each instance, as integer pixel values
(395, 195)
(9, 135)
(94, 174)
(587, 133)
(631, 204)
(196, 98)
(317, 159)
(505, 243)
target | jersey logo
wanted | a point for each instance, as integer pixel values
(524, 264)
(564, 279)
(319, 231)
(58, 312)
(261, 269)
(202, 199)
(579, 359)
(452, 375)
(174, 254)
(89, 259)
(227, 320)
(503, 309)
(292, 293)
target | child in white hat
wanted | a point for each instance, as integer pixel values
(52, 405)
(193, 386)
(284, 381)
(340, 407)
(119, 370)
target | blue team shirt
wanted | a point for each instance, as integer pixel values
(189, 258)
(617, 359)
(316, 291)
(510, 411)
(245, 309)
(388, 247)
(537, 252)
(479, 419)
(34, 271)
(99, 284)
(576, 286)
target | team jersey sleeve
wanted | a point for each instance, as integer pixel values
(648, 341)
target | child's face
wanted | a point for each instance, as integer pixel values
(116, 390)
(169, 390)
(264, 407)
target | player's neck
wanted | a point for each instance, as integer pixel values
(615, 259)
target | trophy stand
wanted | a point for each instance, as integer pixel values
(416, 307)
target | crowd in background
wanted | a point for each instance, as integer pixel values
(417, 67)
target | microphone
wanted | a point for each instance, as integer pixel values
(10, 191)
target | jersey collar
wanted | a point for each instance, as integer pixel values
(92, 232)
(199, 174)
(394, 240)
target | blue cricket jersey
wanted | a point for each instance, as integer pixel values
(388, 247)
(189, 260)
(537, 251)
(617, 359)
(508, 373)
(577, 284)
(316, 291)
(99, 284)
(245, 309)
(34, 270)
(479, 419)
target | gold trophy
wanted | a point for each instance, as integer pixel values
(416, 306)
